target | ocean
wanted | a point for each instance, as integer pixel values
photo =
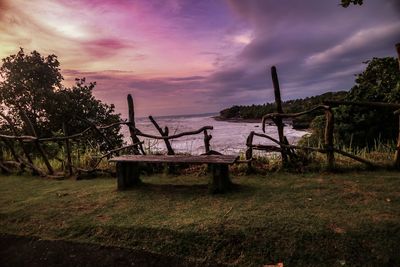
(227, 137)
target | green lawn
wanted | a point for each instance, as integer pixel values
(350, 219)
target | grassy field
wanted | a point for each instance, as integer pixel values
(348, 219)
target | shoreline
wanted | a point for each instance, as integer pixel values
(269, 122)
(237, 120)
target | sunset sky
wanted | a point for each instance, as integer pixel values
(192, 56)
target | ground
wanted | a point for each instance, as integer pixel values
(346, 219)
(35, 252)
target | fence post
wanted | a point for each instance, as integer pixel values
(278, 121)
(207, 138)
(249, 151)
(329, 126)
(32, 131)
(164, 133)
(68, 150)
(132, 126)
(397, 155)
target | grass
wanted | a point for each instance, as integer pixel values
(348, 219)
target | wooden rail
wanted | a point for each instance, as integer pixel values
(135, 133)
(287, 151)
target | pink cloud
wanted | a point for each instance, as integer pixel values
(105, 47)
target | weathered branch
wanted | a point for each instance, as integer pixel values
(97, 130)
(207, 138)
(267, 148)
(109, 153)
(329, 126)
(14, 130)
(139, 133)
(344, 153)
(289, 115)
(132, 126)
(362, 104)
(32, 130)
(68, 150)
(268, 137)
(105, 127)
(278, 120)
(165, 134)
(4, 168)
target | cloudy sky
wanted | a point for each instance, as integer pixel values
(191, 56)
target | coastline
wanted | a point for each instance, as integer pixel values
(269, 122)
(236, 119)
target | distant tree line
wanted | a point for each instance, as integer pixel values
(290, 106)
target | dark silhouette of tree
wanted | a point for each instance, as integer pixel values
(346, 3)
(31, 85)
(379, 82)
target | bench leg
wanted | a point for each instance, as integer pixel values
(128, 175)
(220, 182)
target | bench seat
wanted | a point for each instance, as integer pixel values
(128, 168)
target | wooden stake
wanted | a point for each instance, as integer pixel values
(29, 124)
(163, 133)
(68, 150)
(249, 151)
(278, 121)
(207, 138)
(132, 127)
(397, 155)
(329, 126)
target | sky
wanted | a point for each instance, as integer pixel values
(191, 56)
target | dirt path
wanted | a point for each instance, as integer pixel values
(28, 251)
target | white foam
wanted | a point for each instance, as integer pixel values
(228, 137)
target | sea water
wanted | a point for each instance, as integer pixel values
(227, 137)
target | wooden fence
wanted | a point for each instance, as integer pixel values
(288, 151)
(23, 158)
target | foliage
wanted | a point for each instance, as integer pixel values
(290, 106)
(31, 85)
(362, 126)
(346, 3)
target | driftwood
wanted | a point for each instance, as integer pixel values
(329, 126)
(30, 127)
(14, 130)
(163, 133)
(397, 154)
(139, 133)
(4, 168)
(207, 138)
(278, 120)
(273, 116)
(249, 150)
(67, 150)
(132, 127)
(362, 104)
(325, 150)
(98, 132)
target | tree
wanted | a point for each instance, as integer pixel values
(361, 126)
(28, 86)
(346, 3)
(31, 86)
(380, 82)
